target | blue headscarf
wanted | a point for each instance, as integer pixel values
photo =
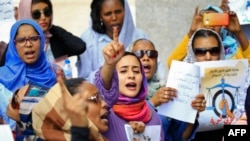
(16, 73)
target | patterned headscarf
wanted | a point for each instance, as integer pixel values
(52, 121)
(15, 73)
(190, 58)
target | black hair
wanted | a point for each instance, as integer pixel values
(206, 33)
(131, 53)
(48, 2)
(73, 84)
(95, 15)
(26, 24)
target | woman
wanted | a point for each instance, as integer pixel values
(59, 43)
(25, 61)
(52, 122)
(105, 14)
(25, 58)
(124, 85)
(206, 45)
(159, 94)
(235, 42)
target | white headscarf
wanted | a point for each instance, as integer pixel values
(190, 58)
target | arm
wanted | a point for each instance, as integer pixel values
(180, 51)
(73, 45)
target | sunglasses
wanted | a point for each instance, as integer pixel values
(214, 51)
(97, 98)
(23, 40)
(36, 14)
(150, 53)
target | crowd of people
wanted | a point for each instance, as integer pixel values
(121, 80)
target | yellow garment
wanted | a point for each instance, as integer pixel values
(180, 52)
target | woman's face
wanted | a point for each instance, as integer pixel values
(206, 49)
(27, 43)
(97, 107)
(112, 15)
(148, 60)
(42, 14)
(130, 75)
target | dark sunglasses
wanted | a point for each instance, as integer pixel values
(36, 14)
(150, 53)
(214, 51)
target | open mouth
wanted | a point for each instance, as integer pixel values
(104, 117)
(131, 85)
(30, 54)
(147, 68)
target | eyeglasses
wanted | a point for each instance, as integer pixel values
(150, 53)
(23, 40)
(214, 51)
(14, 101)
(36, 14)
(97, 98)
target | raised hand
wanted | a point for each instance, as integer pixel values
(113, 51)
(197, 22)
(75, 106)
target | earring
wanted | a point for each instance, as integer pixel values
(101, 22)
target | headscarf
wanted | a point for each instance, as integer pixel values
(127, 31)
(228, 39)
(15, 73)
(52, 122)
(157, 80)
(24, 12)
(190, 58)
(134, 108)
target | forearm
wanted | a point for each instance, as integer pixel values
(179, 52)
(242, 39)
(107, 74)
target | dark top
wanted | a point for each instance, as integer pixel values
(65, 43)
(3, 49)
(79, 133)
(247, 105)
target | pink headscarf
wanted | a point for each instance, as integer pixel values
(24, 12)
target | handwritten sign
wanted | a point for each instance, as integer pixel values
(184, 77)
(6, 10)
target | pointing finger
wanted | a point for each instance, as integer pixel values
(115, 35)
(64, 91)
